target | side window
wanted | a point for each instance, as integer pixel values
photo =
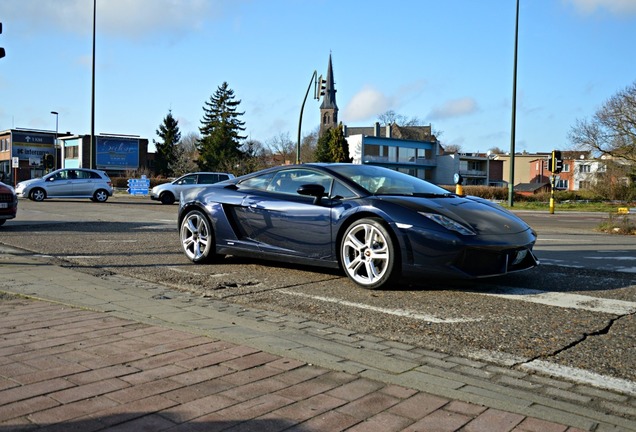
(341, 191)
(188, 180)
(83, 175)
(94, 175)
(288, 181)
(208, 178)
(62, 175)
(260, 182)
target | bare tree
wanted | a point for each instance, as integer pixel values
(389, 117)
(308, 146)
(496, 150)
(186, 155)
(282, 148)
(612, 129)
(452, 148)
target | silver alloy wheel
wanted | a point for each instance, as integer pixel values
(38, 194)
(101, 196)
(195, 236)
(366, 254)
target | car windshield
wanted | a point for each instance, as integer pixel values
(384, 181)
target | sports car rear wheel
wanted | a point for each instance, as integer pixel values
(197, 237)
(368, 255)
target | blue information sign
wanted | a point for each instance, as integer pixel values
(139, 186)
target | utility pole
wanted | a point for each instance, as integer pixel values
(92, 145)
(511, 184)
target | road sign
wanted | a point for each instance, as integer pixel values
(138, 186)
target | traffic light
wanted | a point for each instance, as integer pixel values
(556, 162)
(49, 161)
(321, 87)
(2, 52)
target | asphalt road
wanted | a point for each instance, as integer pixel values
(575, 312)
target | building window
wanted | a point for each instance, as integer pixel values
(566, 167)
(562, 184)
(71, 152)
(586, 168)
(584, 185)
(407, 154)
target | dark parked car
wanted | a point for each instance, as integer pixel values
(375, 223)
(8, 203)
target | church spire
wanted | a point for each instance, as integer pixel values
(328, 108)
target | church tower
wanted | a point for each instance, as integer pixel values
(328, 108)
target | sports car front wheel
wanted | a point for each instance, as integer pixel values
(197, 237)
(368, 255)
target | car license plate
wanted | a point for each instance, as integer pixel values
(4, 205)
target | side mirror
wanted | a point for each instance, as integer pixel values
(315, 190)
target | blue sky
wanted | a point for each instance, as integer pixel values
(448, 63)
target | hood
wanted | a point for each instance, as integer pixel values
(30, 181)
(482, 216)
(4, 186)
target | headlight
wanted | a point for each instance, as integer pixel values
(448, 223)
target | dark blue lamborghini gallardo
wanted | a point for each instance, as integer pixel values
(377, 224)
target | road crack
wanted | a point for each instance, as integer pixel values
(600, 332)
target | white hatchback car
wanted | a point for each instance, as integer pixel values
(168, 193)
(68, 183)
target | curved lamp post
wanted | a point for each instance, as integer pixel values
(300, 121)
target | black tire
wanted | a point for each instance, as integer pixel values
(368, 255)
(37, 194)
(197, 238)
(100, 195)
(167, 198)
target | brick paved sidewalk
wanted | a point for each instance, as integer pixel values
(66, 369)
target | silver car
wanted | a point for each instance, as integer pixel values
(68, 183)
(168, 193)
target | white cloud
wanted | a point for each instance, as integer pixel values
(454, 108)
(367, 103)
(123, 18)
(617, 7)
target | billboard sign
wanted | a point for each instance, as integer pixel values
(28, 145)
(116, 153)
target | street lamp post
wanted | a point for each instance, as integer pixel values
(92, 145)
(511, 184)
(56, 114)
(300, 120)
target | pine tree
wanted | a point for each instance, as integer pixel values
(322, 153)
(220, 130)
(338, 145)
(332, 146)
(167, 149)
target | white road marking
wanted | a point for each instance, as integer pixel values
(156, 227)
(82, 257)
(569, 240)
(178, 270)
(553, 369)
(398, 312)
(565, 300)
(582, 376)
(116, 241)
